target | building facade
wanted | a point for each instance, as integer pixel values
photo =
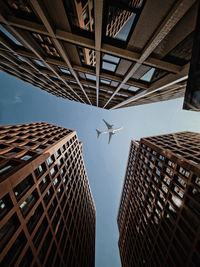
(159, 212)
(110, 54)
(47, 209)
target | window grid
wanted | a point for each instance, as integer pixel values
(161, 218)
(73, 199)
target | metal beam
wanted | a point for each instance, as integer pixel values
(110, 77)
(175, 14)
(158, 85)
(22, 37)
(89, 43)
(98, 11)
(40, 9)
(8, 46)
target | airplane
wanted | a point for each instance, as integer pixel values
(110, 130)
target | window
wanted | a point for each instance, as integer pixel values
(50, 160)
(40, 148)
(158, 172)
(5, 169)
(9, 35)
(13, 253)
(133, 88)
(45, 246)
(5, 205)
(27, 156)
(51, 255)
(48, 195)
(57, 181)
(60, 190)
(63, 201)
(53, 171)
(90, 77)
(45, 182)
(105, 81)
(161, 157)
(32, 222)
(40, 233)
(108, 66)
(26, 206)
(86, 15)
(7, 231)
(110, 58)
(184, 172)
(12, 152)
(52, 207)
(148, 75)
(58, 153)
(65, 70)
(27, 258)
(56, 218)
(60, 162)
(23, 187)
(40, 170)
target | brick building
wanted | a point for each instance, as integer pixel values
(159, 212)
(47, 210)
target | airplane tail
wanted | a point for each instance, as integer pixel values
(98, 133)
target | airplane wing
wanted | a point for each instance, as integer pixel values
(108, 125)
(110, 135)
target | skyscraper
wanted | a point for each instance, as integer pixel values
(159, 212)
(110, 54)
(47, 209)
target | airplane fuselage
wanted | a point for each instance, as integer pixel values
(111, 130)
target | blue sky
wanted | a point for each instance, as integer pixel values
(105, 164)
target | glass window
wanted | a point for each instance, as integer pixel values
(26, 157)
(5, 205)
(29, 202)
(39, 62)
(28, 257)
(45, 182)
(40, 233)
(53, 171)
(50, 160)
(40, 170)
(148, 75)
(12, 152)
(9, 35)
(7, 231)
(86, 15)
(40, 148)
(124, 31)
(5, 169)
(23, 187)
(57, 181)
(52, 207)
(105, 81)
(110, 58)
(90, 77)
(13, 253)
(133, 88)
(48, 195)
(58, 153)
(45, 246)
(33, 220)
(65, 70)
(108, 66)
